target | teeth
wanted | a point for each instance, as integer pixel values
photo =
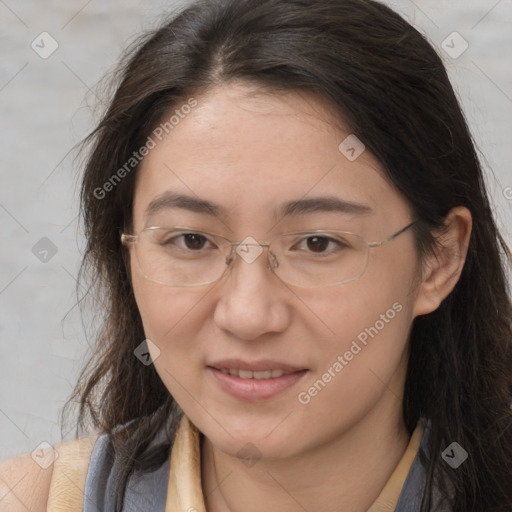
(262, 375)
(247, 374)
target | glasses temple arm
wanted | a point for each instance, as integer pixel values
(127, 239)
(393, 236)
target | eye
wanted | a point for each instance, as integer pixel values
(186, 241)
(320, 244)
(192, 241)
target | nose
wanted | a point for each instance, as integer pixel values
(252, 300)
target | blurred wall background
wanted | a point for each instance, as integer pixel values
(52, 53)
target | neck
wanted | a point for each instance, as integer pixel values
(346, 473)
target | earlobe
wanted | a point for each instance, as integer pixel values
(442, 269)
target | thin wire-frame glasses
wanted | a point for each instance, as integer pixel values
(163, 260)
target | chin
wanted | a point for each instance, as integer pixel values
(250, 438)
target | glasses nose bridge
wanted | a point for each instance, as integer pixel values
(245, 254)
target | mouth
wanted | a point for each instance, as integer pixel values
(248, 374)
(254, 381)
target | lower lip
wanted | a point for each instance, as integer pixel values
(255, 389)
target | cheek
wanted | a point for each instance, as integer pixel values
(378, 306)
(163, 309)
(168, 316)
(354, 379)
(365, 329)
(364, 354)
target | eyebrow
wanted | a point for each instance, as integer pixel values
(169, 200)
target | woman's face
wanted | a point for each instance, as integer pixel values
(343, 349)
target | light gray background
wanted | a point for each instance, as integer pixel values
(46, 107)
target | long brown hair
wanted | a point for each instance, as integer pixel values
(387, 82)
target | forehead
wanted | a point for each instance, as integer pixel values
(251, 151)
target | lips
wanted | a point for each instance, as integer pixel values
(256, 380)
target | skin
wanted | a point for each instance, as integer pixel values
(250, 150)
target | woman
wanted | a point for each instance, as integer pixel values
(303, 285)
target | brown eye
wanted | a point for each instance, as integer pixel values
(183, 241)
(318, 243)
(194, 241)
(321, 245)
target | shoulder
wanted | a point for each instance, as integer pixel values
(30, 481)
(24, 485)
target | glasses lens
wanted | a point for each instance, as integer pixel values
(176, 257)
(312, 260)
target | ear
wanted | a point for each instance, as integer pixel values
(441, 270)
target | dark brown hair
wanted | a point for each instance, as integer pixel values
(390, 86)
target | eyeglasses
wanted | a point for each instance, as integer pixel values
(182, 256)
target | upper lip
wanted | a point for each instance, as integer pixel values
(254, 366)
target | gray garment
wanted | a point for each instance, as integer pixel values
(144, 492)
(148, 491)
(412, 492)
